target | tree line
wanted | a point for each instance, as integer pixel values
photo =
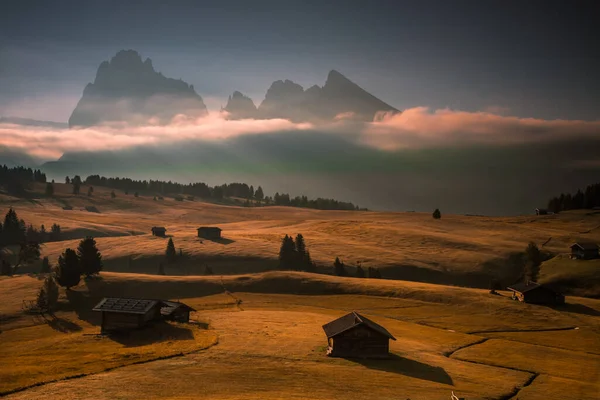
(15, 180)
(582, 199)
(218, 192)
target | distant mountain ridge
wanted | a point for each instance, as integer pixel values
(338, 98)
(32, 122)
(127, 89)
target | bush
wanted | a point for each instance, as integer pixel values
(437, 214)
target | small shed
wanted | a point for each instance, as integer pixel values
(209, 232)
(120, 314)
(534, 293)
(541, 211)
(159, 231)
(584, 250)
(355, 336)
(176, 311)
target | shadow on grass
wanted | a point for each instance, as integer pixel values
(82, 304)
(223, 241)
(63, 325)
(407, 367)
(154, 333)
(577, 309)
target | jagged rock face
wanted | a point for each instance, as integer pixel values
(240, 107)
(127, 89)
(339, 97)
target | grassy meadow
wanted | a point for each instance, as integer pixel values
(258, 333)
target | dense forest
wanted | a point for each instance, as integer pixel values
(16, 179)
(586, 199)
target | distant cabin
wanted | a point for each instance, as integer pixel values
(122, 314)
(355, 336)
(534, 293)
(119, 314)
(541, 211)
(159, 230)
(584, 250)
(176, 311)
(209, 232)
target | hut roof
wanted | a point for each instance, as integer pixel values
(214, 228)
(586, 246)
(160, 228)
(125, 305)
(170, 306)
(350, 321)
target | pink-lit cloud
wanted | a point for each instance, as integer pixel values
(413, 128)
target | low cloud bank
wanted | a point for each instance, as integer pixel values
(413, 128)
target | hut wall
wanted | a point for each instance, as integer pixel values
(359, 342)
(120, 321)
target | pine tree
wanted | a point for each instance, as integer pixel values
(533, 260)
(13, 229)
(68, 272)
(49, 189)
(67, 180)
(259, 195)
(48, 295)
(360, 273)
(287, 253)
(45, 266)
(170, 253)
(437, 214)
(90, 259)
(300, 247)
(76, 181)
(28, 252)
(251, 194)
(43, 234)
(339, 268)
(55, 233)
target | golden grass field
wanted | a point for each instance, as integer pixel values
(461, 250)
(270, 345)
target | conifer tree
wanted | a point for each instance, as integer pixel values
(287, 253)
(533, 260)
(339, 268)
(43, 234)
(48, 295)
(45, 266)
(55, 234)
(90, 259)
(259, 195)
(170, 252)
(67, 271)
(360, 273)
(437, 214)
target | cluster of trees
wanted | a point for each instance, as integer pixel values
(437, 214)
(339, 269)
(202, 190)
(16, 179)
(294, 254)
(533, 261)
(318, 204)
(14, 231)
(586, 199)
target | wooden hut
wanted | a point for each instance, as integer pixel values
(176, 311)
(120, 314)
(534, 293)
(159, 231)
(355, 336)
(584, 250)
(209, 232)
(541, 211)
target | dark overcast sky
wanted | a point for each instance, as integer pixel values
(533, 58)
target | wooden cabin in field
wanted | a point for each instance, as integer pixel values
(159, 231)
(541, 211)
(534, 293)
(209, 232)
(355, 336)
(120, 314)
(584, 250)
(176, 311)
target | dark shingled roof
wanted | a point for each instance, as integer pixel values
(170, 306)
(159, 228)
(525, 287)
(586, 246)
(209, 228)
(126, 306)
(350, 321)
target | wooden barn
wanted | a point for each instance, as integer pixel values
(584, 251)
(159, 231)
(534, 293)
(541, 211)
(355, 336)
(176, 311)
(119, 314)
(209, 232)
